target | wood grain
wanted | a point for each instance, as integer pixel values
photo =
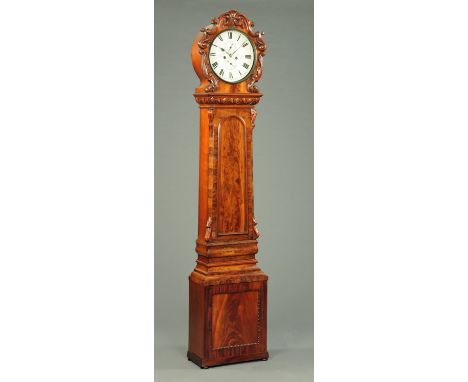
(233, 316)
(196, 312)
(232, 207)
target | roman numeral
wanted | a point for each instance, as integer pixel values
(238, 38)
(230, 75)
(212, 54)
(230, 34)
(221, 72)
(245, 65)
(240, 72)
(220, 37)
(215, 64)
(245, 44)
(248, 56)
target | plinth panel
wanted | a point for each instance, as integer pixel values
(234, 318)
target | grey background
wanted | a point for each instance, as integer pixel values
(283, 181)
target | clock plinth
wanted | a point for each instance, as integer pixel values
(227, 290)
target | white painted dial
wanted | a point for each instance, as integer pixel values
(232, 56)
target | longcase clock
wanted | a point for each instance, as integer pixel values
(227, 290)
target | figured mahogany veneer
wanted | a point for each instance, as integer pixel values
(227, 290)
(232, 209)
(232, 315)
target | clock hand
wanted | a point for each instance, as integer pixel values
(230, 55)
(230, 63)
(219, 47)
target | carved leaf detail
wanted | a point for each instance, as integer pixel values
(257, 74)
(257, 232)
(208, 229)
(253, 115)
(203, 44)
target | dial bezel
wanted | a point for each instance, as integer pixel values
(254, 48)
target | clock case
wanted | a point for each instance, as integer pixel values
(227, 289)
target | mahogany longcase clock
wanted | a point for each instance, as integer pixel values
(227, 290)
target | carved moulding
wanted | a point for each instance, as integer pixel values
(226, 100)
(231, 19)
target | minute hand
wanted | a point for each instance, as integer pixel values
(230, 55)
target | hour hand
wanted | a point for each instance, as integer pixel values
(219, 47)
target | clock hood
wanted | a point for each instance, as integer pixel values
(209, 82)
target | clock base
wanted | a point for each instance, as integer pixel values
(206, 363)
(227, 319)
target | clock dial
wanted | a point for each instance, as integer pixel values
(232, 56)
